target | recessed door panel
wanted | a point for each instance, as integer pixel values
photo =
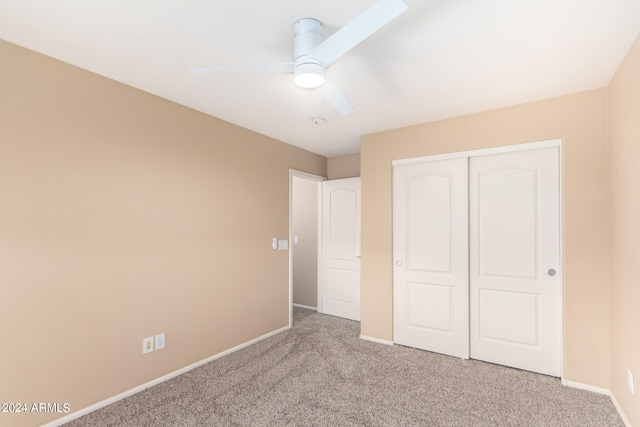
(437, 319)
(343, 224)
(507, 222)
(342, 286)
(521, 310)
(428, 223)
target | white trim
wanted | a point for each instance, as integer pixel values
(586, 387)
(130, 392)
(312, 177)
(561, 254)
(319, 276)
(377, 340)
(305, 307)
(625, 420)
(480, 152)
(603, 391)
(307, 175)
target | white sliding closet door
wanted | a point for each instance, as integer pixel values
(476, 245)
(515, 294)
(430, 241)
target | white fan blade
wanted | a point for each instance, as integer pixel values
(334, 95)
(349, 36)
(284, 67)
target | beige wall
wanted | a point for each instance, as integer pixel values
(347, 166)
(125, 215)
(122, 216)
(580, 120)
(624, 140)
(305, 253)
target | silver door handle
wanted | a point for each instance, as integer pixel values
(399, 263)
(551, 272)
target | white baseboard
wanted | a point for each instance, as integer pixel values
(77, 414)
(306, 307)
(378, 340)
(130, 392)
(625, 420)
(600, 390)
(586, 387)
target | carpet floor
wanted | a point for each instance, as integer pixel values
(320, 373)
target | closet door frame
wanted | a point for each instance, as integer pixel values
(483, 152)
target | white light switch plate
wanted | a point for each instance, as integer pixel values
(283, 245)
(160, 341)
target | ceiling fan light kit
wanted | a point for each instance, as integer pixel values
(309, 75)
(312, 55)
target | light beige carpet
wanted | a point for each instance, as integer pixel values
(320, 373)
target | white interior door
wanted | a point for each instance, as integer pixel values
(340, 271)
(515, 292)
(430, 241)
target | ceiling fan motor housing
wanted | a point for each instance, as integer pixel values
(307, 34)
(308, 72)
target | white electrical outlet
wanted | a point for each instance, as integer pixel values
(160, 341)
(632, 385)
(147, 345)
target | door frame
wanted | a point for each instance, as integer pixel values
(557, 143)
(318, 179)
(485, 152)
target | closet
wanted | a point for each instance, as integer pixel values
(476, 246)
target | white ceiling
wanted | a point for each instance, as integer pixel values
(439, 59)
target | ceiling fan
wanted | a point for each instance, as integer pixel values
(312, 55)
